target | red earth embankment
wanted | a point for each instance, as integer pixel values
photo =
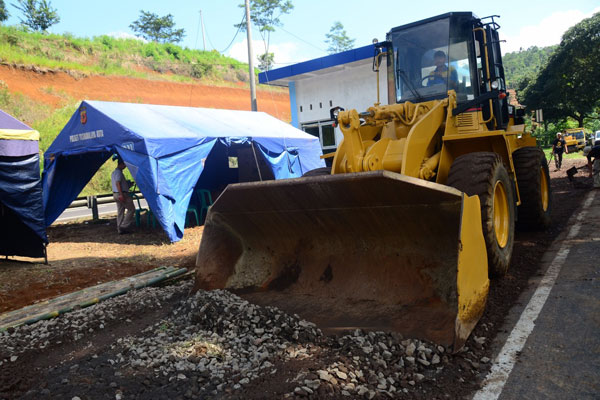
(50, 87)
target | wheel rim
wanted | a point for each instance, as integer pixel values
(501, 214)
(544, 189)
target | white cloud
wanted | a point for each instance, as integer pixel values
(285, 53)
(546, 33)
(125, 35)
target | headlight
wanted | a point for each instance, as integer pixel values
(495, 85)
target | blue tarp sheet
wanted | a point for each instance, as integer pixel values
(22, 228)
(165, 149)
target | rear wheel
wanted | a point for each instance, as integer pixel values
(318, 172)
(483, 174)
(533, 179)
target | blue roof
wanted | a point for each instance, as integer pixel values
(345, 57)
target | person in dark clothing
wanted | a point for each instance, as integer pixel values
(442, 73)
(594, 166)
(558, 146)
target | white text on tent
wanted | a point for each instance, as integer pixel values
(86, 135)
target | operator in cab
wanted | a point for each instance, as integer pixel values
(442, 72)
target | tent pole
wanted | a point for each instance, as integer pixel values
(256, 160)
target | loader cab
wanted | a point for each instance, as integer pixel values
(454, 51)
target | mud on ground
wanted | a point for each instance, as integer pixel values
(82, 255)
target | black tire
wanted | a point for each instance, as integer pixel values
(318, 172)
(478, 174)
(533, 213)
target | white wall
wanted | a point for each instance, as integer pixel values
(354, 86)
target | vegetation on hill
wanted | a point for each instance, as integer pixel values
(568, 86)
(49, 123)
(525, 64)
(106, 55)
(103, 55)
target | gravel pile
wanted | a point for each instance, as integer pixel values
(77, 324)
(217, 345)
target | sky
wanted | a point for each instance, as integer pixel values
(302, 34)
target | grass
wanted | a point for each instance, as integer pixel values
(105, 55)
(572, 155)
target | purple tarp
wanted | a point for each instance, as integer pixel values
(7, 121)
(18, 148)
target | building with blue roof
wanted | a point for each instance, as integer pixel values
(345, 79)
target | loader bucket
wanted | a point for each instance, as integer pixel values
(373, 250)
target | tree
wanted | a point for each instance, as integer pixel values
(4, 14)
(265, 61)
(265, 15)
(337, 39)
(39, 14)
(157, 29)
(569, 84)
(525, 64)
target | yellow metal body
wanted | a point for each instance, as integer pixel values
(572, 142)
(421, 140)
(472, 281)
(544, 189)
(383, 242)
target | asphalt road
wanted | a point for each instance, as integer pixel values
(84, 212)
(556, 354)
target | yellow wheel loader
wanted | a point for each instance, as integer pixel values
(417, 210)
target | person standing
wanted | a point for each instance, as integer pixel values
(125, 206)
(558, 146)
(594, 166)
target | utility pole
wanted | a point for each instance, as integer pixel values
(202, 24)
(251, 59)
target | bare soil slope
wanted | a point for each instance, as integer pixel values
(52, 87)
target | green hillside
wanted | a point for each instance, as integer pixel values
(525, 64)
(106, 55)
(102, 55)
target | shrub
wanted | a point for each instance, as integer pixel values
(201, 70)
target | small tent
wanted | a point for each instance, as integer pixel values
(166, 149)
(22, 227)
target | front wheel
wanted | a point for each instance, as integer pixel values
(533, 180)
(483, 174)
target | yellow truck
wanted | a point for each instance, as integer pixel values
(575, 139)
(418, 209)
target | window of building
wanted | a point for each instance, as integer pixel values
(324, 130)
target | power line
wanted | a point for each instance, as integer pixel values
(234, 36)
(299, 38)
(197, 31)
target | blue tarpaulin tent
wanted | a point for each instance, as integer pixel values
(166, 149)
(22, 228)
